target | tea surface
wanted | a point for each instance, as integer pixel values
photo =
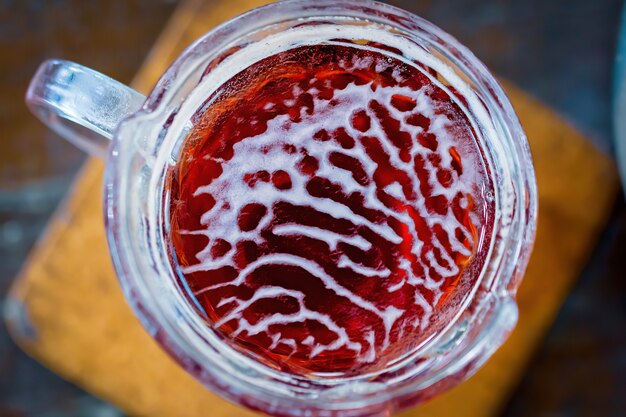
(328, 211)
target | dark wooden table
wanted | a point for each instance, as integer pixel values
(36, 167)
(561, 51)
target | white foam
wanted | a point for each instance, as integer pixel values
(329, 237)
(345, 262)
(303, 314)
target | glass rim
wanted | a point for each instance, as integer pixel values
(130, 268)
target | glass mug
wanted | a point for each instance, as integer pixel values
(141, 138)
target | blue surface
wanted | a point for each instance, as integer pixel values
(619, 97)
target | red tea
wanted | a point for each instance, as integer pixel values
(328, 211)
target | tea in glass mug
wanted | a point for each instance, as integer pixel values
(320, 209)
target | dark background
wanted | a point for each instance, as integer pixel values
(561, 51)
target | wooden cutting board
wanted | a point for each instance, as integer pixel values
(66, 308)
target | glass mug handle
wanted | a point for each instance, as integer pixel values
(80, 104)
